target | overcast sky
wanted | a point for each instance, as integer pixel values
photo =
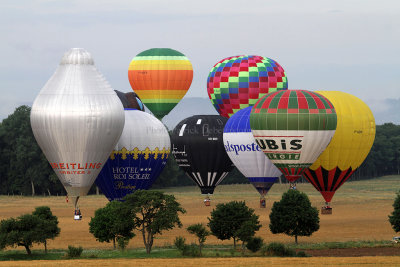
(351, 46)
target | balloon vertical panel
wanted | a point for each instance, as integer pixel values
(349, 147)
(198, 148)
(139, 157)
(292, 128)
(77, 119)
(247, 156)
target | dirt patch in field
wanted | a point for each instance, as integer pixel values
(354, 252)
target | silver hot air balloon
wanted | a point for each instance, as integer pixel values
(77, 120)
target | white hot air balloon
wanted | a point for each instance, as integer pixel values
(77, 120)
(139, 156)
(244, 152)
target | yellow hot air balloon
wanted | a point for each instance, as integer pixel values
(350, 145)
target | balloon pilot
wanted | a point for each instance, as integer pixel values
(262, 202)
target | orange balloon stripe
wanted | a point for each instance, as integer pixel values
(160, 79)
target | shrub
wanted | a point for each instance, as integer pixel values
(122, 242)
(302, 253)
(74, 252)
(180, 243)
(254, 244)
(191, 250)
(278, 249)
(186, 250)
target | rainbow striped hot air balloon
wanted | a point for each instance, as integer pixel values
(293, 128)
(161, 77)
(237, 82)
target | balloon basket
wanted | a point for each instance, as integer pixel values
(326, 210)
(207, 202)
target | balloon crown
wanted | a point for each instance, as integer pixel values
(77, 56)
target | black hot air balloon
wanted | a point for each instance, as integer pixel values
(198, 148)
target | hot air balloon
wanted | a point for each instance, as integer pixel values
(238, 82)
(77, 120)
(139, 157)
(247, 155)
(130, 100)
(198, 148)
(292, 128)
(161, 77)
(350, 145)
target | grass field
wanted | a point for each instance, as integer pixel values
(360, 211)
(230, 262)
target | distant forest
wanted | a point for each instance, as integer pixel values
(24, 170)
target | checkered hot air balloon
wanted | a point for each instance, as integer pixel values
(238, 82)
(350, 145)
(161, 77)
(293, 128)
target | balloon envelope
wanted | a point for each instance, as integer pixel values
(293, 127)
(238, 82)
(130, 100)
(350, 145)
(139, 157)
(161, 77)
(77, 119)
(247, 156)
(198, 148)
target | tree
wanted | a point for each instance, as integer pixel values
(26, 169)
(293, 215)
(201, 233)
(112, 223)
(394, 218)
(49, 228)
(227, 220)
(246, 231)
(23, 231)
(153, 213)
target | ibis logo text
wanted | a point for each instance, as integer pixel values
(281, 144)
(280, 147)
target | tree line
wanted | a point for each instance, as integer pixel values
(24, 170)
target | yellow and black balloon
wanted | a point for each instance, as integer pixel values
(350, 145)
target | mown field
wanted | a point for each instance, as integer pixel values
(228, 262)
(360, 211)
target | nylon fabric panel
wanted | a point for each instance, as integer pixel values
(354, 135)
(77, 119)
(291, 136)
(139, 156)
(327, 181)
(197, 146)
(242, 149)
(156, 75)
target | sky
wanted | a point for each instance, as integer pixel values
(342, 45)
